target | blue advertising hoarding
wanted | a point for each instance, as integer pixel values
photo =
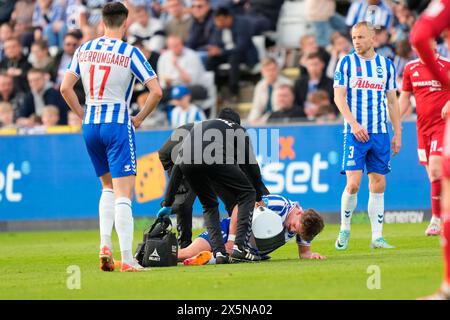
(51, 177)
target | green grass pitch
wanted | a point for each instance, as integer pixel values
(33, 265)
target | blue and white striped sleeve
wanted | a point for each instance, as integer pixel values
(74, 65)
(391, 83)
(140, 67)
(301, 242)
(341, 74)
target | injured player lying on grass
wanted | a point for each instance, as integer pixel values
(278, 216)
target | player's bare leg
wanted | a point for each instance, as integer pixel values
(197, 246)
(348, 205)
(377, 186)
(434, 172)
(106, 222)
(123, 190)
(199, 252)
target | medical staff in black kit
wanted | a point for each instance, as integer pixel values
(185, 196)
(233, 174)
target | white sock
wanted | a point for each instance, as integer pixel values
(127, 256)
(106, 217)
(435, 220)
(125, 228)
(376, 214)
(446, 288)
(348, 205)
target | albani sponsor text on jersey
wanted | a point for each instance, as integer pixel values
(361, 83)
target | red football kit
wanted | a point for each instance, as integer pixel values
(434, 20)
(430, 99)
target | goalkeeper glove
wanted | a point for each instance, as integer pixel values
(164, 211)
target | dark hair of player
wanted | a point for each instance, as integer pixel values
(114, 14)
(229, 114)
(312, 224)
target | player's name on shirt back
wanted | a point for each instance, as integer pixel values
(108, 68)
(104, 57)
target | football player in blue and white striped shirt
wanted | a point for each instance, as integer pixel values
(365, 87)
(297, 223)
(108, 68)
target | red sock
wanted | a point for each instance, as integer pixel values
(446, 246)
(436, 198)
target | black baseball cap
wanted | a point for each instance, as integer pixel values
(230, 114)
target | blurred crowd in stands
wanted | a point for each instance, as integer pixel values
(204, 52)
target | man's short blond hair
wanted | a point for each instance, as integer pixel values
(365, 24)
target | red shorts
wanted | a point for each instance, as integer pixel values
(429, 145)
(446, 151)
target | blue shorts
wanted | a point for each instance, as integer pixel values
(112, 148)
(375, 154)
(225, 228)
